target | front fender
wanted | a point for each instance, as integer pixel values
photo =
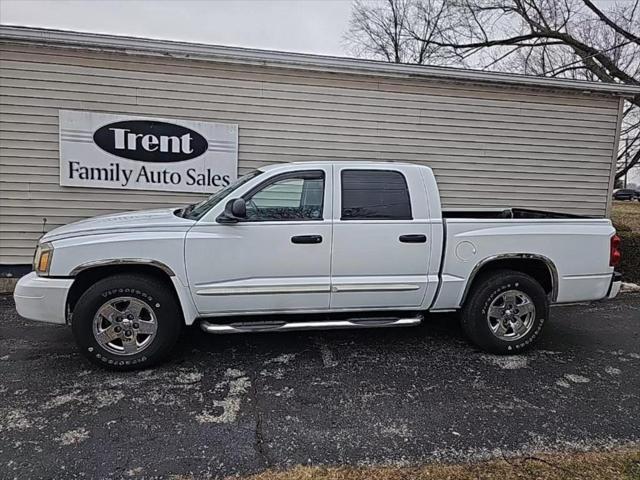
(164, 250)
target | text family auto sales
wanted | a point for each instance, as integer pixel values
(114, 172)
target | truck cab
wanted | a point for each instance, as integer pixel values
(305, 239)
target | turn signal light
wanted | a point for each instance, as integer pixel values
(43, 263)
(42, 259)
(615, 255)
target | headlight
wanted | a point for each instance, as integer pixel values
(42, 259)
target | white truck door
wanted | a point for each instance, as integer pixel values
(278, 259)
(381, 238)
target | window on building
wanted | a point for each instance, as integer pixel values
(297, 196)
(375, 195)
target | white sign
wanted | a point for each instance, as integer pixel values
(141, 153)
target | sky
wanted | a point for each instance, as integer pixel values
(309, 26)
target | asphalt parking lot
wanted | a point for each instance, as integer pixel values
(241, 403)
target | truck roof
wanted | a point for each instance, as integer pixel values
(359, 163)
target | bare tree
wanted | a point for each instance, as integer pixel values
(555, 38)
(398, 31)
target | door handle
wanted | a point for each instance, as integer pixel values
(306, 239)
(413, 238)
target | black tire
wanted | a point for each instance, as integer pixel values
(486, 289)
(154, 293)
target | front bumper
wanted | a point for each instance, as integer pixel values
(41, 298)
(616, 283)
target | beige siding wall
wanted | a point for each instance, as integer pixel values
(489, 146)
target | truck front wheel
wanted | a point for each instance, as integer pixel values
(505, 312)
(125, 322)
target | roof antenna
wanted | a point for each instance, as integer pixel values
(44, 223)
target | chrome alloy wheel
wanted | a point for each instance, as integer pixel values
(511, 315)
(125, 326)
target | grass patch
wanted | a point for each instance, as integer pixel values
(630, 264)
(621, 465)
(626, 219)
(626, 216)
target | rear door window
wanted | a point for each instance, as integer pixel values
(374, 195)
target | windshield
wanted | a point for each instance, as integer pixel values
(197, 211)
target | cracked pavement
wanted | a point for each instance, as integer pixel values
(238, 404)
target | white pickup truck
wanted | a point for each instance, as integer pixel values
(314, 246)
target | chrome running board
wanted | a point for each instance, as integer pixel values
(283, 326)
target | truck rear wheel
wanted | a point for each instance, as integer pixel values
(126, 322)
(505, 312)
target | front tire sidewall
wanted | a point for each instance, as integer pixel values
(477, 326)
(157, 297)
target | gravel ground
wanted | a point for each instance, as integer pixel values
(241, 403)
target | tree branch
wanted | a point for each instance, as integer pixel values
(567, 69)
(628, 35)
(635, 160)
(490, 43)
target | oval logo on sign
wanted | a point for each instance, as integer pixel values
(150, 141)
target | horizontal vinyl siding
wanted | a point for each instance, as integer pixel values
(489, 146)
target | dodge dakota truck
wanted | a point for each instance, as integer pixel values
(314, 246)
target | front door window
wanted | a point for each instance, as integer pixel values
(290, 197)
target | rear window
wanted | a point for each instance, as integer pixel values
(374, 195)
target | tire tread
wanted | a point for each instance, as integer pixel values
(476, 329)
(170, 313)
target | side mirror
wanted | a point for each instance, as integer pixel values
(234, 210)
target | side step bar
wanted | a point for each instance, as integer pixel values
(282, 326)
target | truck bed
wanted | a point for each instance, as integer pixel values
(574, 248)
(522, 213)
